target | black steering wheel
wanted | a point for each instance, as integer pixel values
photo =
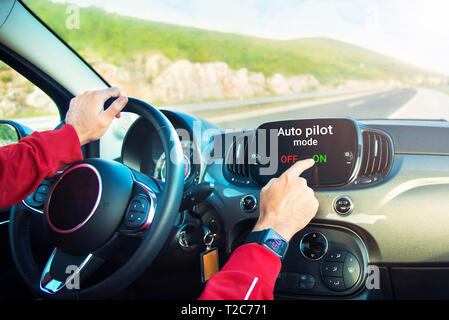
(94, 203)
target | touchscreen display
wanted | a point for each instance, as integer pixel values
(332, 143)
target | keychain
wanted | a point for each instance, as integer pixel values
(209, 258)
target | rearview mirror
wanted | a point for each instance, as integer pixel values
(8, 134)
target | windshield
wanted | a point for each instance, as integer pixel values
(242, 63)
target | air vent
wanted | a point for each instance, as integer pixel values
(237, 159)
(377, 154)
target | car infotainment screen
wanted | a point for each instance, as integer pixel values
(332, 143)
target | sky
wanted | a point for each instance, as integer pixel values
(414, 31)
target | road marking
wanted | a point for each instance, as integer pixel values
(278, 110)
(356, 103)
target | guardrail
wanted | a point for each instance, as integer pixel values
(235, 103)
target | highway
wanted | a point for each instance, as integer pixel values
(405, 103)
(377, 105)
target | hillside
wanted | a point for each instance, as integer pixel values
(170, 64)
(117, 38)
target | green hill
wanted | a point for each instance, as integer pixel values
(116, 38)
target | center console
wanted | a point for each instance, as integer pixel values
(323, 260)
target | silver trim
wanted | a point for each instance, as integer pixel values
(255, 203)
(358, 162)
(4, 222)
(351, 205)
(97, 201)
(32, 208)
(391, 155)
(325, 250)
(52, 286)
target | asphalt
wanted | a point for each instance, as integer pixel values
(380, 105)
(374, 106)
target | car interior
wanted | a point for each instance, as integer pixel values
(378, 234)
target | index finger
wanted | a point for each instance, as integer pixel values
(107, 93)
(299, 167)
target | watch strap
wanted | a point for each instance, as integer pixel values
(260, 238)
(255, 237)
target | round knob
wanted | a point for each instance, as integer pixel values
(343, 205)
(313, 246)
(248, 203)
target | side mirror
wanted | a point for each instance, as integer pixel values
(8, 134)
(11, 132)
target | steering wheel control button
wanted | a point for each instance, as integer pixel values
(248, 203)
(43, 188)
(335, 283)
(351, 270)
(332, 269)
(313, 246)
(38, 197)
(343, 205)
(137, 212)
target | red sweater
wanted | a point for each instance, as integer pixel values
(250, 273)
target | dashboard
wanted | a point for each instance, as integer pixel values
(142, 150)
(385, 226)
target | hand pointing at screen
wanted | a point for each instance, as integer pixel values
(287, 204)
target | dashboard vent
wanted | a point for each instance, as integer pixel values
(377, 154)
(237, 159)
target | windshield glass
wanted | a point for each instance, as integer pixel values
(241, 63)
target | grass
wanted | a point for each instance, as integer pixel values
(117, 38)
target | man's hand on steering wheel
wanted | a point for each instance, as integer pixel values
(87, 115)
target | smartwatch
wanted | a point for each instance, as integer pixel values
(271, 240)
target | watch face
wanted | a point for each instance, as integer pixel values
(275, 243)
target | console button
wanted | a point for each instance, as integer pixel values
(335, 283)
(306, 281)
(313, 246)
(351, 270)
(336, 256)
(332, 269)
(248, 203)
(287, 280)
(343, 205)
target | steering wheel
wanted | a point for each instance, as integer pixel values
(92, 205)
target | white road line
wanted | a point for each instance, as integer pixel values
(356, 103)
(276, 110)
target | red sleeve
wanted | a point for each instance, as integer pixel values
(250, 274)
(25, 164)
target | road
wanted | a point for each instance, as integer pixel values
(406, 103)
(377, 105)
